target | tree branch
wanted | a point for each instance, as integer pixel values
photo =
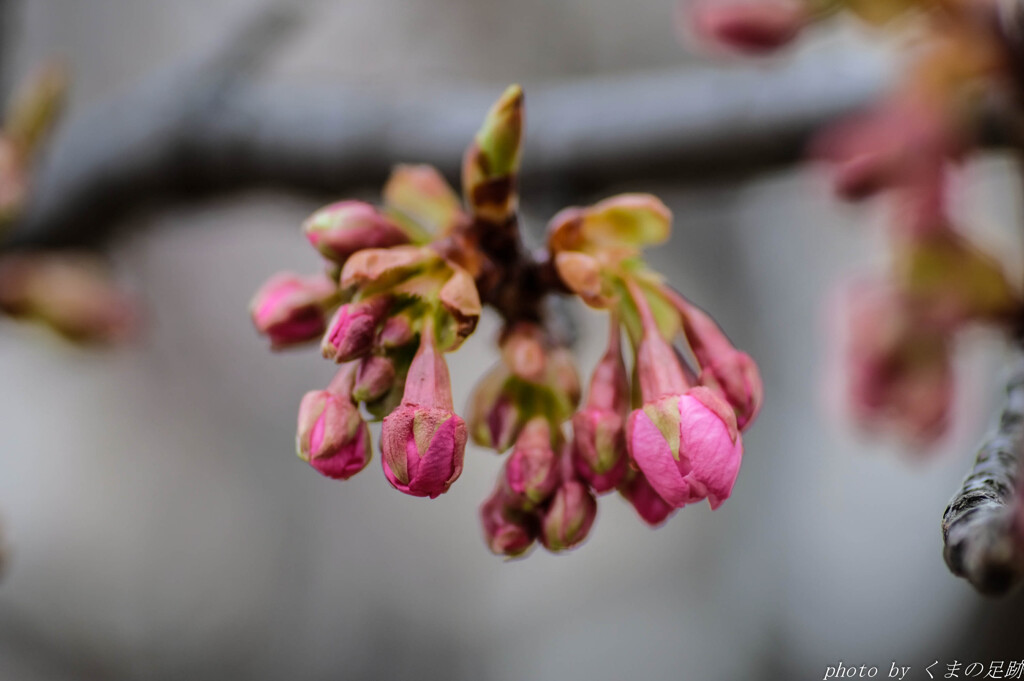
(980, 527)
(187, 133)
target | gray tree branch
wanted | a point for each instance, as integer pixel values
(980, 527)
(209, 127)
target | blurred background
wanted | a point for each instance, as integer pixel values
(159, 525)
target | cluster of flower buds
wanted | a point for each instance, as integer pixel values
(901, 325)
(404, 283)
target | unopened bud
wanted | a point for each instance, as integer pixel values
(374, 378)
(568, 518)
(343, 228)
(532, 470)
(508, 531)
(353, 329)
(420, 193)
(332, 436)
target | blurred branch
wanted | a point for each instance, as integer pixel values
(204, 128)
(979, 527)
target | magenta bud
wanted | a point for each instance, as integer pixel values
(753, 27)
(638, 491)
(734, 376)
(332, 436)
(532, 470)
(568, 518)
(353, 329)
(396, 332)
(342, 228)
(424, 440)
(508, 531)
(495, 418)
(687, 446)
(289, 309)
(599, 448)
(374, 378)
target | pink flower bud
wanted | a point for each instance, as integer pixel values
(508, 531)
(731, 374)
(396, 332)
(424, 440)
(341, 229)
(373, 379)
(532, 470)
(567, 520)
(754, 27)
(687, 446)
(289, 309)
(599, 446)
(651, 507)
(494, 416)
(353, 329)
(332, 436)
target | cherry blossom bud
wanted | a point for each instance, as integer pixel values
(567, 520)
(731, 374)
(332, 435)
(581, 273)
(532, 470)
(491, 163)
(687, 446)
(524, 351)
(73, 294)
(374, 378)
(684, 440)
(353, 329)
(397, 331)
(898, 368)
(638, 491)
(424, 440)
(342, 228)
(494, 414)
(599, 443)
(289, 309)
(508, 530)
(751, 26)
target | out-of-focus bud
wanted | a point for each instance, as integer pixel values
(569, 516)
(950, 281)
(638, 491)
(396, 332)
(424, 440)
(289, 309)
(353, 329)
(523, 350)
(380, 268)
(461, 301)
(421, 194)
(532, 470)
(36, 106)
(599, 446)
(731, 374)
(898, 368)
(374, 378)
(619, 224)
(494, 415)
(342, 228)
(564, 380)
(71, 293)
(508, 531)
(751, 26)
(491, 162)
(332, 437)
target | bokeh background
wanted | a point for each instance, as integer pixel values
(160, 526)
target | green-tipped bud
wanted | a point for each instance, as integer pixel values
(491, 163)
